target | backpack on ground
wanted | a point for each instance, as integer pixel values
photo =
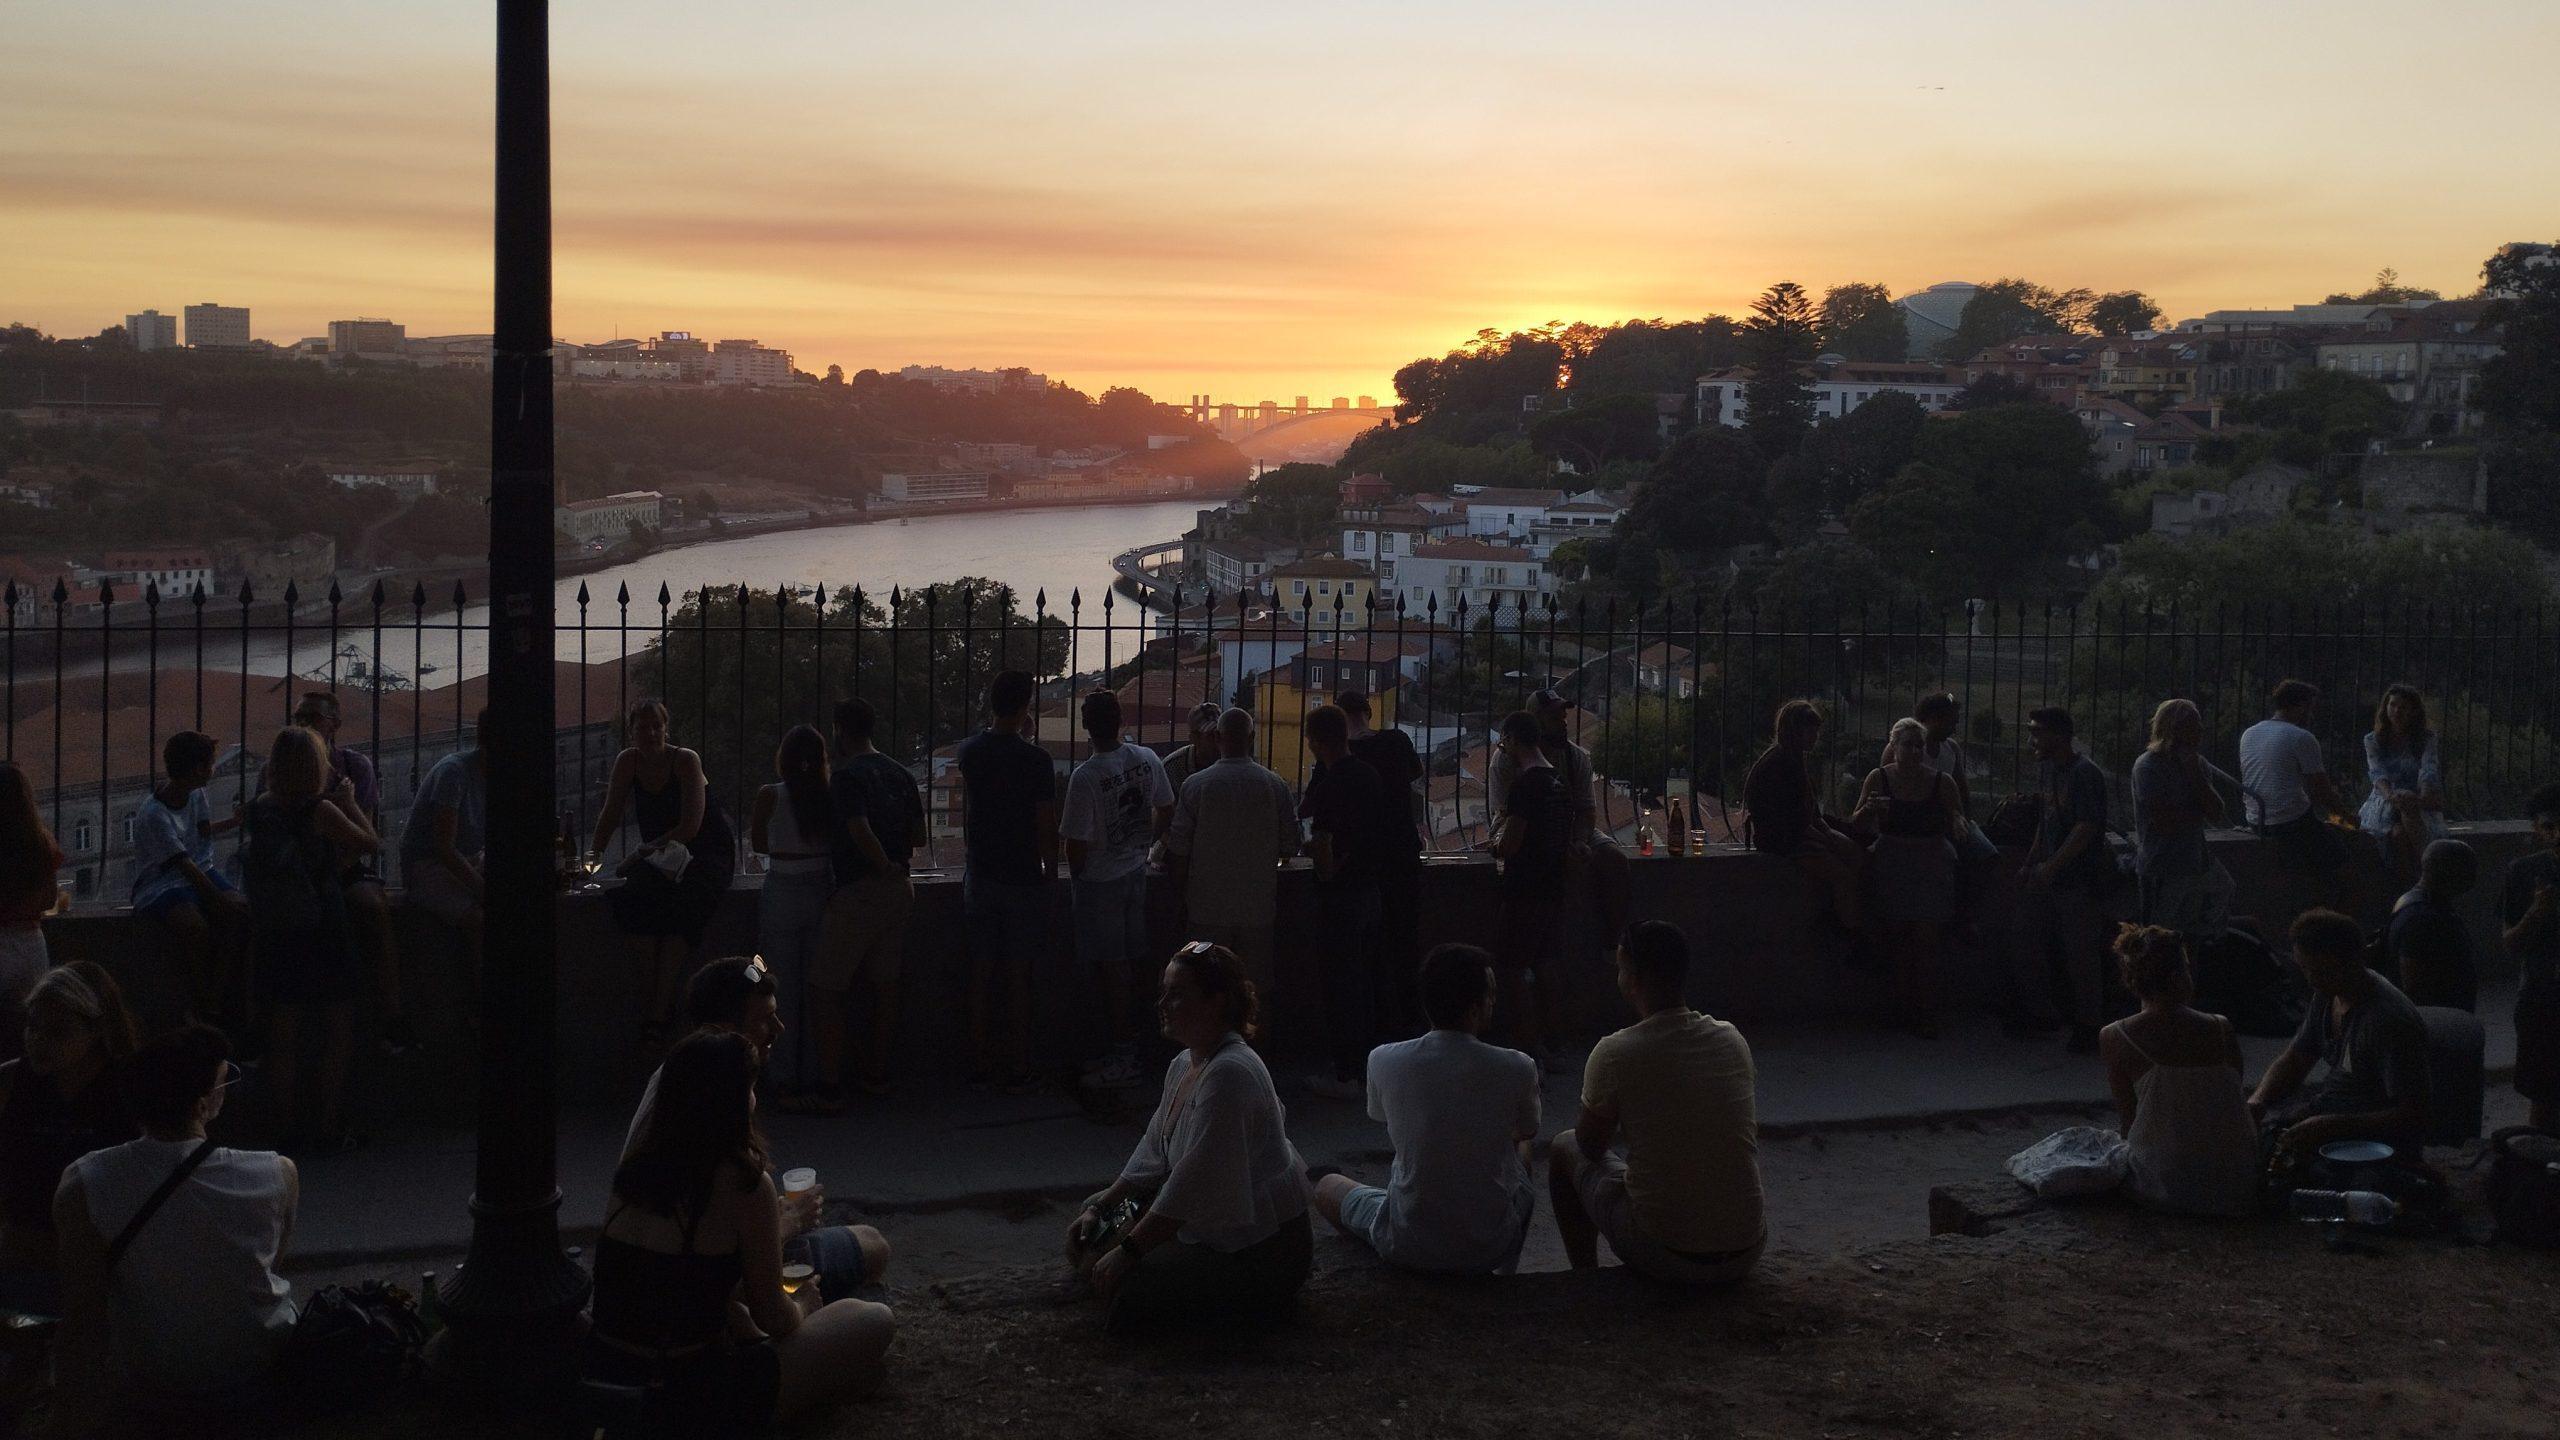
(2524, 1186)
(2239, 977)
(351, 1346)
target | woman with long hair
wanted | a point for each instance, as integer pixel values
(63, 1100)
(1910, 809)
(662, 904)
(2175, 1073)
(302, 948)
(2405, 808)
(1220, 1194)
(794, 826)
(1785, 811)
(2183, 886)
(29, 861)
(691, 1234)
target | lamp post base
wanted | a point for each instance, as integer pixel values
(515, 1311)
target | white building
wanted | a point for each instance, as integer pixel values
(744, 362)
(151, 330)
(936, 485)
(407, 484)
(1481, 574)
(1494, 512)
(609, 519)
(1380, 536)
(1839, 386)
(175, 571)
(217, 327)
(1233, 565)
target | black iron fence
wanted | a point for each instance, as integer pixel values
(1670, 702)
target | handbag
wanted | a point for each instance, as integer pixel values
(352, 1344)
(2524, 1186)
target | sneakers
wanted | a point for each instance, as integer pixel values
(1328, 1087)
(1115, 1071)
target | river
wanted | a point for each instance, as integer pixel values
(1061, 550)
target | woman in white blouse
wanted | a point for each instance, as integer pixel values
(1223, 1228)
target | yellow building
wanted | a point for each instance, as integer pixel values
(1313, 677)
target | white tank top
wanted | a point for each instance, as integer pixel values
(196, 1304)
(783, 831)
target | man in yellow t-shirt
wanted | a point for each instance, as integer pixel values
(1684, 1204)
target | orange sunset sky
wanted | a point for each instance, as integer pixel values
(1257, 201)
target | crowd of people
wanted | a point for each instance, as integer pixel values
(723, 1290)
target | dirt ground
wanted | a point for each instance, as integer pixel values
(2096, 1320)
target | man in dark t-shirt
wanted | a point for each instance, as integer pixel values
(1347, 817)
(1530, 841)
(2365, 1032)
(2429, 946)
(862, 937)
(1390, 752)
(1008, 790)
(2062, 921)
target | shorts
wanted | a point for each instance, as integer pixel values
(863, 933)
(835, 1254)
(1362, 1209)
(432, 888)
(1602, 1187)
(159, 906)
(2538, 1041)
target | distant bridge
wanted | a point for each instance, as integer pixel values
(1234, 422)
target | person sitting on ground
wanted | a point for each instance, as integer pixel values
(690, 1239)
(736, 994)
(178, 1312)
(2429, 946)
(1117, 801)
(441, 848)
(176, 884)
(1222, 1230)
(303, 965)
(1786, 814)
(1460, 1114)
(65, 1098)
(368, 904)
(2369, 1035)
(2529, 914)
(1684, 1205)
(2175, 1072)
(1910, 808)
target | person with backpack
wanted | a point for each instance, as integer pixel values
(302, 946)
(173, 1307)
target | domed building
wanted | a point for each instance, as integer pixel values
(1929, 317)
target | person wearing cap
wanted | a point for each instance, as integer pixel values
(737, 994)
(1184, 761)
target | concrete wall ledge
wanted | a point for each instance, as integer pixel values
(1770, 955)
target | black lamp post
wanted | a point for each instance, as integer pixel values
(513, 1312)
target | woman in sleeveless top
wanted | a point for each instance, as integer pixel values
(302, 942)
(663, 787)
(2175, 1071)
(692, 1238)
(1909, 809)
(794, 826)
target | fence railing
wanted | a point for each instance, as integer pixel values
(1670, 701)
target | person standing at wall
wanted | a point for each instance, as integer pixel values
(1117, 800)
(1008, 791)
(1233, 825)
(2288, 797)
(2061, 926)
(1531, 840)
(673, 884)
(368, 904)
(1390, 752)
(1348, 817)
(863, 936)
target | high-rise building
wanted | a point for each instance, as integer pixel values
(744, 362)
(152, 330)
(218, 327)
(368, 339)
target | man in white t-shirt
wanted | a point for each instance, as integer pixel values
(1116, 801)
(1460, 1114)
(2286, 793)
